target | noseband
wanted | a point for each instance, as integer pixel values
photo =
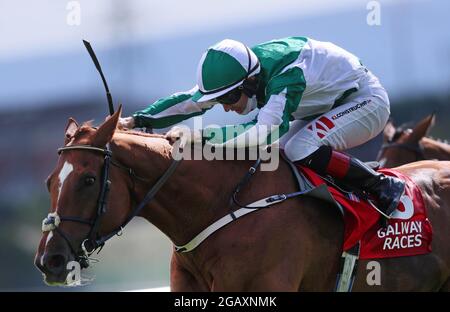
(94, 240)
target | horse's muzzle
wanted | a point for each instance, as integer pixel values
(53, 266)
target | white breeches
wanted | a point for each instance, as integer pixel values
(362, 116)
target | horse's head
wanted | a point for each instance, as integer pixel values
(78, 187)
(402, 144)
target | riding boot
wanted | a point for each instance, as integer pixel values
(386, 189)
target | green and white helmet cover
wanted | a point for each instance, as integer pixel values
(223, 67)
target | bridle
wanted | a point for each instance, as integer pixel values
(94, 240)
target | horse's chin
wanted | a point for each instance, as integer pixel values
(62, 283)
(56, 280)
(61, 280)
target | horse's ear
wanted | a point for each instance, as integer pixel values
(71, 128)
(106, 130)
(422, 128)
(389, 131)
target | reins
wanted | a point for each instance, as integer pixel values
(94, 241)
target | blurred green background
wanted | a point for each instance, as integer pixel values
(150, 49)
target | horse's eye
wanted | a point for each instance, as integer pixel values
(89, 180)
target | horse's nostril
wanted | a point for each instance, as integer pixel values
(55, 262)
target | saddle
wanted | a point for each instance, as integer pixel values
(408, 232)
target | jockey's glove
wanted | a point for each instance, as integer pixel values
(126, 123)
(185, 135)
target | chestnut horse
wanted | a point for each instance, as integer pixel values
(292, 246)
(404, 145)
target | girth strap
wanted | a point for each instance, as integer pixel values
(259, 204)
(244, 209)
(347, 271)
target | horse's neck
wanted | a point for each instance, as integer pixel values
(435, 150)
(191, 198)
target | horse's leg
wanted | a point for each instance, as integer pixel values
(181, 279)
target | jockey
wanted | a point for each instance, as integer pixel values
(320, 98)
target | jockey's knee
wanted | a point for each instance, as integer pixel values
(301, 146)
(319, 159)
(314, 157)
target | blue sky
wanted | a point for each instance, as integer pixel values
(39, 27)
(150, 49)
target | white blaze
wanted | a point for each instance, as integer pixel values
(63, 174)
(49, 237)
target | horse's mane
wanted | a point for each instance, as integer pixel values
(140, 133)
(88, 126)
(163, 149)
(438, 140)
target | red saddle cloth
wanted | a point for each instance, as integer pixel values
(408, 232)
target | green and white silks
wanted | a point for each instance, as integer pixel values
(299, 78)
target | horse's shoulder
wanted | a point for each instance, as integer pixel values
(442, 174)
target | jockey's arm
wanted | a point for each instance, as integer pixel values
(270, 124)
(273, 119)
(170, 110)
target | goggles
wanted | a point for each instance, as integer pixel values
(231, 97)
